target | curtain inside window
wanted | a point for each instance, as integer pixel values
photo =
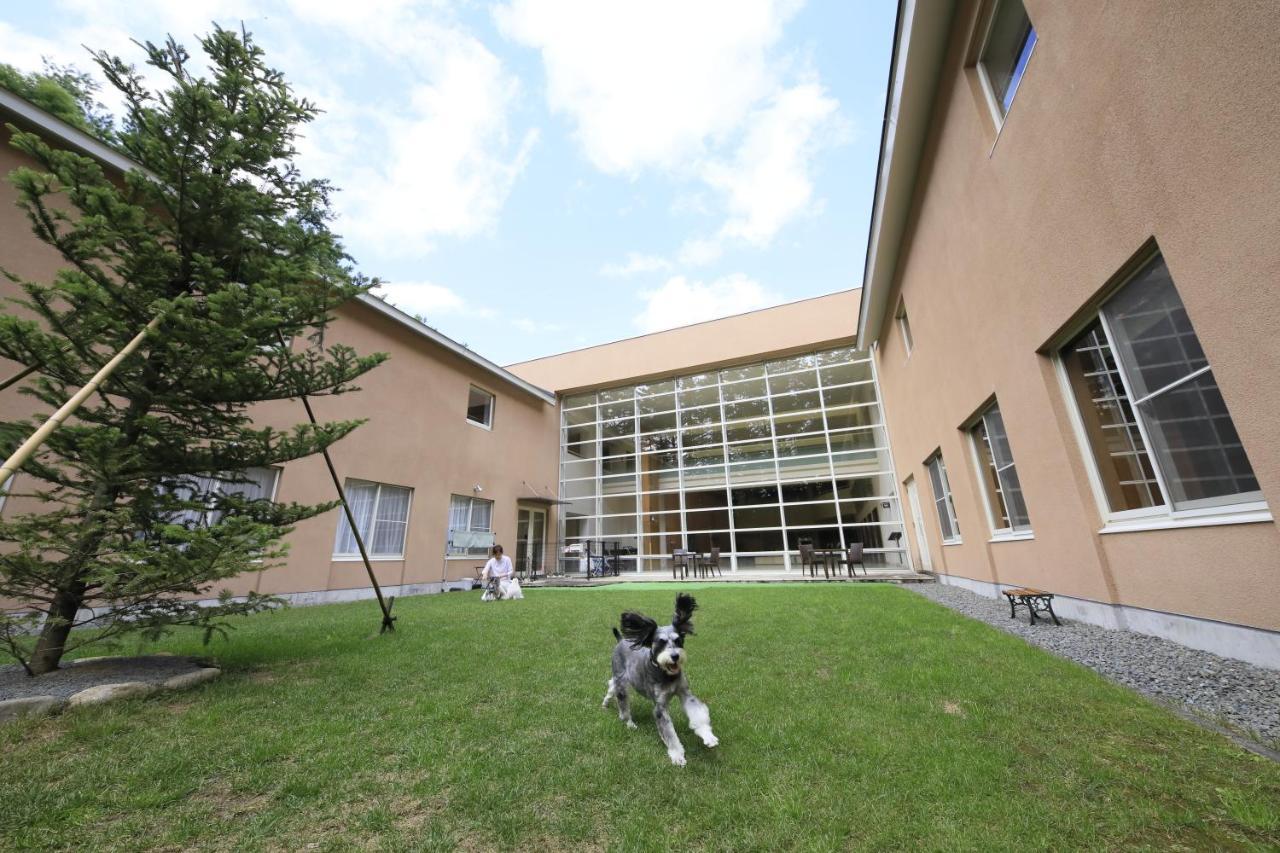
(391, 522)
(360, 497)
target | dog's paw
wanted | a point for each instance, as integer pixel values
(631, 724)
(677, 758)
(710, 741)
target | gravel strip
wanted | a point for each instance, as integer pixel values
(1247, 697)
(79, 675)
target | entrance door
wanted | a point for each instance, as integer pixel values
(531, 526)
(917, 521)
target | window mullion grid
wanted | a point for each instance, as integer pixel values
(975, 449)
(367, 535)
(1114, 394)
(1001, 491)
(777, 476)
(1138, 416)
(635, 479)
(951, 501)
(684, 527)
(724, 449)
(831, 468)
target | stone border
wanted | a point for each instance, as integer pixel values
(99, 694)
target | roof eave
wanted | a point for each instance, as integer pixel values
(920, 46)
(417, 326)
(72, 137)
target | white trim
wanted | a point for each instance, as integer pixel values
(486, 424)
(349, 556)
(1234, 516)
(1021, 536)
(1242, 642)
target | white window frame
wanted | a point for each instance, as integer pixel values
(1160, 516)
(367, 535)
(1012, 533)
(471, 509)
(493, 404)
(904, 327)
(943, 501)
(998, 113)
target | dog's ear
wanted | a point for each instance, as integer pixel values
(638, 628)
(682, 621)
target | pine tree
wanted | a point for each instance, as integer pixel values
(143, 497)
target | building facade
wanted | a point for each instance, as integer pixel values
(1070, 296)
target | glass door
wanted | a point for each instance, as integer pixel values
(531, 526)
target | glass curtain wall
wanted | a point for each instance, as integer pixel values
(749, 459)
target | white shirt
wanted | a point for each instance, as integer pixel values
(498, 567)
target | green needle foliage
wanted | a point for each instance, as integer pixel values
(141, 505)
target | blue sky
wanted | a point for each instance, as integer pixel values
(534, 176)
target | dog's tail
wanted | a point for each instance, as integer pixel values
(617, 635)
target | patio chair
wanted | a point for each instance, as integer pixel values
(807, 564)
(680, 564)
(711, 564)
(853, 556)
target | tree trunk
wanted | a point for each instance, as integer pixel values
(53, 637)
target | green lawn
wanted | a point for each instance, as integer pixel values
(848, 715)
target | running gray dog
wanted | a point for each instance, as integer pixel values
(650, 660)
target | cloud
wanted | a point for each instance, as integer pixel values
(650, 84)
(424, 299)
(636, 263)
(445, 157)
(432, 155)
(768, 182)
(680, 301)
(698, 91)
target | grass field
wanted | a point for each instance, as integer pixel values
(848, 716)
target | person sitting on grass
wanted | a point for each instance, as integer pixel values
(497, 575)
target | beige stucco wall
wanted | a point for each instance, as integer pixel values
(417, 436)
(1134, 120)
(808, 324)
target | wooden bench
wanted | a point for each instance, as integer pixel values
(1035, 600)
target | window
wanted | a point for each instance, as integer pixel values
(251, 484)
(904, 326)
(382, 517)
(1004, 56)
(480, 407)
(998, 476)
(1156, 425)
(470, 526)
(942, 500)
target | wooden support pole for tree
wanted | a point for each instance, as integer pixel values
(388, 621)
(23, 453)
